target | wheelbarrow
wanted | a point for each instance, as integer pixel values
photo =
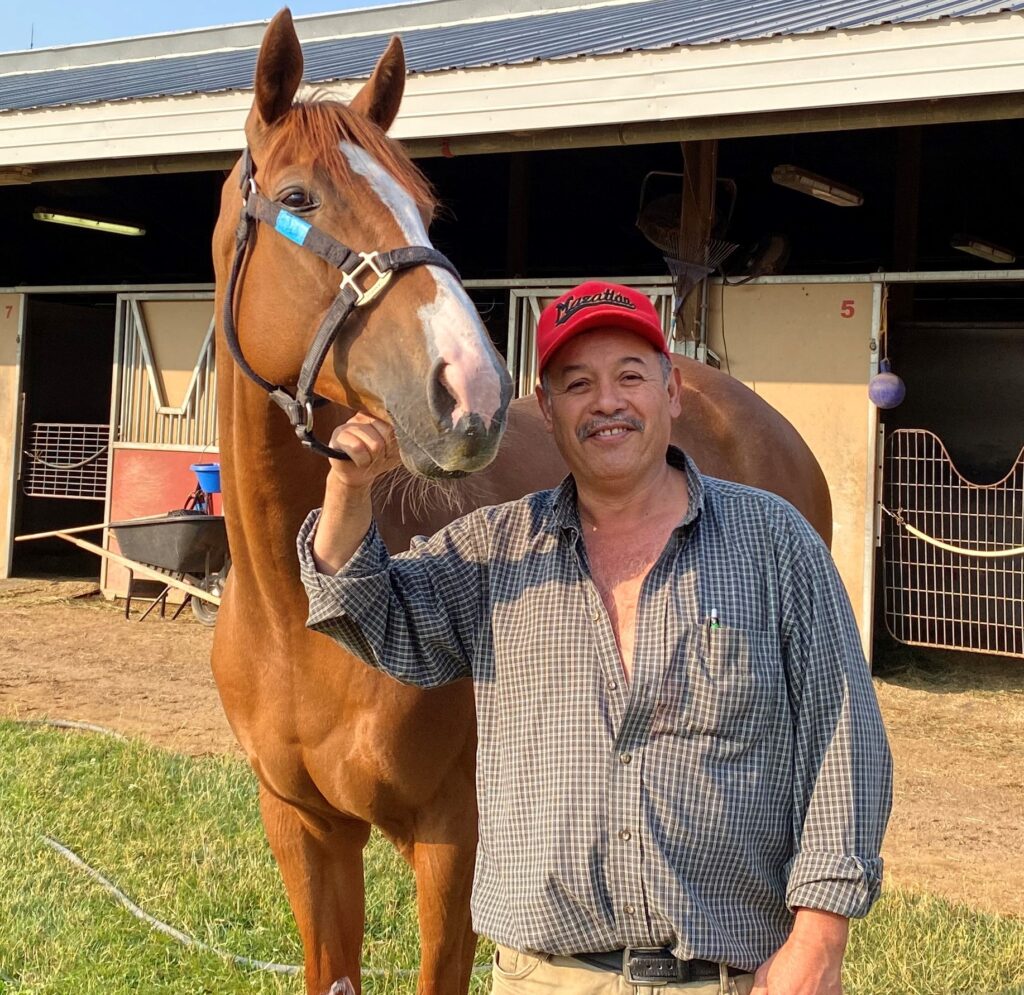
(185, 550)
(188, 546)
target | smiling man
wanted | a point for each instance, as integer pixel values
(683, 778)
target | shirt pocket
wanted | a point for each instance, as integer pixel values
(723, 684)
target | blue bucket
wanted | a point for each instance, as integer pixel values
(208, 475)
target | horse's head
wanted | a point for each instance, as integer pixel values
(415, 353)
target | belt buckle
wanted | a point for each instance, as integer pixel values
(654, 953)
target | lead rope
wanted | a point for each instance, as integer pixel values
(988, 554)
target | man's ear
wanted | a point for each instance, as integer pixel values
(381, 95)
(675, 388)
(544, 400)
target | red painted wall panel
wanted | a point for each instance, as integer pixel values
(148, 482)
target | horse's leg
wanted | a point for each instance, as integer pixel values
(442, 857)
(323, 875)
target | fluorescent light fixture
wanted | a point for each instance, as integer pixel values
(821, 187)
(86, 221)
(986, 250)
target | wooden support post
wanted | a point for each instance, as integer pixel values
(700, 176)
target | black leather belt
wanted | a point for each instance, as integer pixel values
(654, 966)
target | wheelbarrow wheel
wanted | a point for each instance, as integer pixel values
(206, 611)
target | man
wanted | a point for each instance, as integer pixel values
(682, 771)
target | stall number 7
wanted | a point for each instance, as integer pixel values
(847, 309)
(8, 310)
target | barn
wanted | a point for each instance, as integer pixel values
(805, 189)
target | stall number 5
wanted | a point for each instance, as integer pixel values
(847, 309)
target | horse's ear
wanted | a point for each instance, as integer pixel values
(381, 95)
(278, 69)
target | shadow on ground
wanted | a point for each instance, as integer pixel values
(922, 668)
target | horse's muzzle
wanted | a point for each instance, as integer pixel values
(463, 449)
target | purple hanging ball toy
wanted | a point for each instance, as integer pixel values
(885, 389)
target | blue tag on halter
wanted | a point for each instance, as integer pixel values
(292, 227)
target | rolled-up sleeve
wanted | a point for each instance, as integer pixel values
(842, 785)
(415, 616)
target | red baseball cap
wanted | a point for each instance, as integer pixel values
(597, 304)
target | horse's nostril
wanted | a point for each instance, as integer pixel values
(439, 395)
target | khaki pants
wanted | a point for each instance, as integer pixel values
(516, 973)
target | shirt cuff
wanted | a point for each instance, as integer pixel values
(847, 886)
(370, 558)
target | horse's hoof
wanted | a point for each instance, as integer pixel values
(342, 987)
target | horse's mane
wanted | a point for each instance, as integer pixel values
(320, 124)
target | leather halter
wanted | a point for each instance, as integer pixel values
(353, 266)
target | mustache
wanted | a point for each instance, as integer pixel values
(597, 424)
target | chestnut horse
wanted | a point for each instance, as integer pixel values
(336, 746)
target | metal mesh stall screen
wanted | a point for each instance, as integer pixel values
(524, 314)
(954, 551)
(63, 460)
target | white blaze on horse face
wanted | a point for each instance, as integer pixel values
(454, 332)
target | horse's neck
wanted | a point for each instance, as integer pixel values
(270, 483)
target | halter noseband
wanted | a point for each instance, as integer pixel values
(353, 265)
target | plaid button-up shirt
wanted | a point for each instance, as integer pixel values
(742, 772)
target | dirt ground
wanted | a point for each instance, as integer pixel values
(955, 721)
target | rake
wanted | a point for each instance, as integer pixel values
(689, 257)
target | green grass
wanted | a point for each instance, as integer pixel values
(182, 838)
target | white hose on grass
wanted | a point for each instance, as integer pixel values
(71, 724)
(162, 927)
(190, 941)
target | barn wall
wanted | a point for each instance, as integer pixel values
(165, 409)
(806, 349)
(147, 482)
(11, 309)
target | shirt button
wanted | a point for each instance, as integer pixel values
(613, 686)
(630, 910)
(626, 758)
(625, 834)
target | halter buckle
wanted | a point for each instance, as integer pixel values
(369, 262)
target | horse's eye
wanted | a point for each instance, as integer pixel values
(298, 200)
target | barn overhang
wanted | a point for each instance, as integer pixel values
(913, 73)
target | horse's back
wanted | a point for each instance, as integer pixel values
(724, 426)
(731, 432)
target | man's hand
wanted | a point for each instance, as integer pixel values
(371, 445)
(810, 962)
(347, 514)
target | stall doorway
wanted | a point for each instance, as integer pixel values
(67, 367)
(953, 493)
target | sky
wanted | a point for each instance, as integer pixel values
(42, 23)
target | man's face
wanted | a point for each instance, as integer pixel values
(608, 405)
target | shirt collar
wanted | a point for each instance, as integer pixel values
(565, 507)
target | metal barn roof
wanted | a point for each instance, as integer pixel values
(519, 37)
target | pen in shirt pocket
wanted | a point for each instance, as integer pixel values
(712, 622)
